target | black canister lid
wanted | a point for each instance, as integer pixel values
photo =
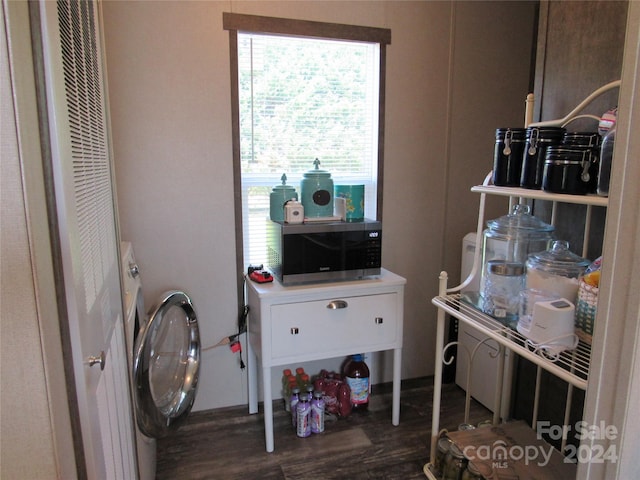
(516, 134)
(583, 139)
(563, 152)
(546, 133)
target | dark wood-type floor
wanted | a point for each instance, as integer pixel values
(229, 443)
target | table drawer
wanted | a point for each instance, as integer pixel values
(334, 325)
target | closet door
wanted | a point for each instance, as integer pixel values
(84, 218)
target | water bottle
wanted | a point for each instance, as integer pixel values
(303, 416)
(357, 377)
(317, 413)
(286, 393)
(304, 382)
(293, 403)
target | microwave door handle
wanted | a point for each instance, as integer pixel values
(337, 304)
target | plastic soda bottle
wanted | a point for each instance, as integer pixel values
(293, 403)
(303, 420)
(317, 413)
(357, 377)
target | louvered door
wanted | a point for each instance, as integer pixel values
(78, 138)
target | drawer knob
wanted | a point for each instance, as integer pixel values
(379, 320)
(336, 304)
(294, 330)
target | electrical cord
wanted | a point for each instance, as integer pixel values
(547, 348)
(242, 324)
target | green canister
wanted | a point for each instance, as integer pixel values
(316, 191)
(280, 195)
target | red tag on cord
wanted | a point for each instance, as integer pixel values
(235, 347)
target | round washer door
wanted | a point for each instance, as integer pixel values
(166, 364)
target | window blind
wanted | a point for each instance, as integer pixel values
(302, 99)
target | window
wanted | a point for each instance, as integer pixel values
(301, 91)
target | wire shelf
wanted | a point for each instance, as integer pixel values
(572, 366)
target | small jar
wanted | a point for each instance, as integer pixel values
(455, 464)
(443, 446)
(477, 471)
(502, 286)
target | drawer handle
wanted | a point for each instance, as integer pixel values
(294, 330)
(379, 320)
(336, 304)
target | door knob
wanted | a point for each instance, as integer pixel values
(99, 360)
(134, 270)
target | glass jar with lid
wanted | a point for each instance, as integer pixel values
(511, 238)
(477, 471)
(443, 446)
(455, 463)
(556, 271)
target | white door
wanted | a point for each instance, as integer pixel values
(85, 221)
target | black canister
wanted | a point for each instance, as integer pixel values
(568, 170)
(538, 140)
(507, 157)
(590, 141)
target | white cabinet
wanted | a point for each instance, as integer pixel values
(312, 322)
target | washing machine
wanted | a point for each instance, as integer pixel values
(163, 358)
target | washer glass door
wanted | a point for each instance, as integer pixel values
(166, 365)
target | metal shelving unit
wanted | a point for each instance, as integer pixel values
(570, 366)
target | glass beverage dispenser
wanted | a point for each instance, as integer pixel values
(507, 242)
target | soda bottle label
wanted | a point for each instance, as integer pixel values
(303, 427)
(359, 390)
(317, 417)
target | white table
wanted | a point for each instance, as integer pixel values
(310, 322)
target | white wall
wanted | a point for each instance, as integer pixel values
(168, 70)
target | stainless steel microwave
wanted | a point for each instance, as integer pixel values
(319, 252)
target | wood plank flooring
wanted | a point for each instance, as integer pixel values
(229, 443)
